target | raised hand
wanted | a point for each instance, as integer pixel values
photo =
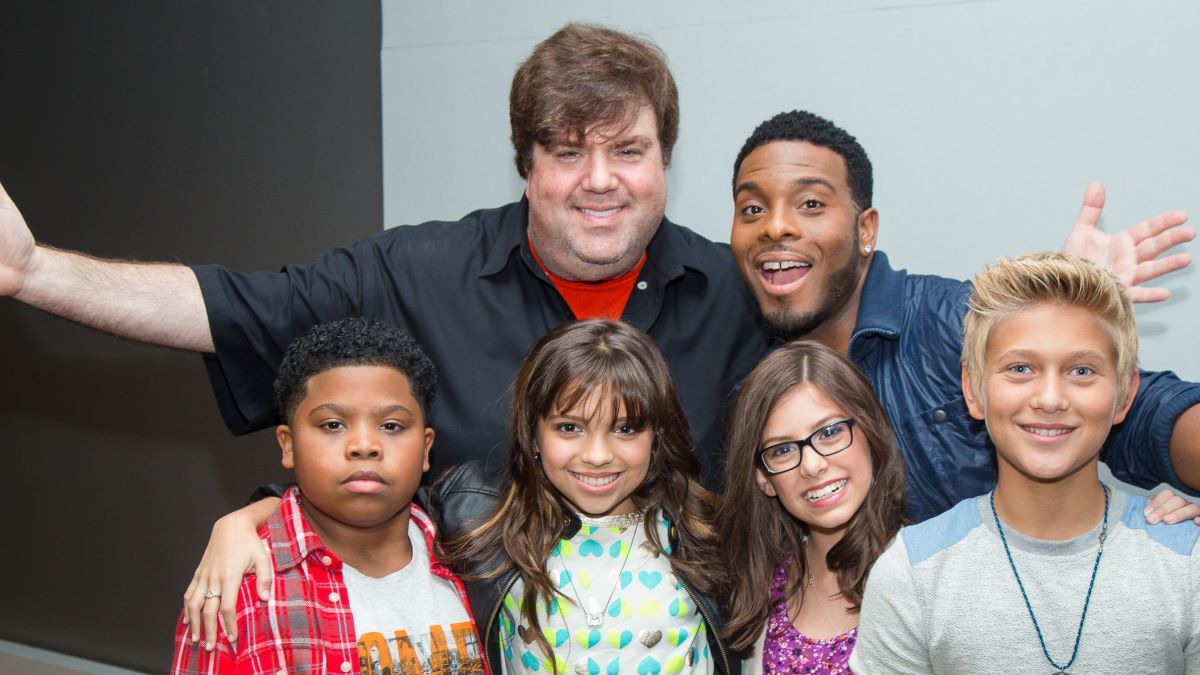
(1132, 255)
(17, 247)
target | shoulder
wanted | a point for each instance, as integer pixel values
(941, 295)
(463, 496)
(1178, 539)
(924, 540)
(437, 242)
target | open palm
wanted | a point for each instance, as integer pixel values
(1132, 255)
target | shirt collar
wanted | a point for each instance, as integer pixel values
(290, 535)
(511, 234)
(881, 307)
(292, 538)
(668, 253)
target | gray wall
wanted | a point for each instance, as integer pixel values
(249, 133)
(215, 130)
(985, 120)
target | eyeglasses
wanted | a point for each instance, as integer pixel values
(828, 440)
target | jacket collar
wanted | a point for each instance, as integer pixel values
(881, 307)
(668, 253)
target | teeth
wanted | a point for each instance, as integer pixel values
(1048, 433)
(785, 265)
(815, 495)
(600, 214)
(596, 481)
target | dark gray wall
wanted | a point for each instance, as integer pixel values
(226, 130)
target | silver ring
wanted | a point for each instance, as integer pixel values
(211, 594)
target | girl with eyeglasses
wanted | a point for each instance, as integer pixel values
(814, 493)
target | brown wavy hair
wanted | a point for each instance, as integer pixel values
(756, 532)
(619, 363)
(584, 76)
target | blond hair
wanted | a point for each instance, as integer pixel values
(1009, 286)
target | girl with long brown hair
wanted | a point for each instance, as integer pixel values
(595, 552)
(814, 493)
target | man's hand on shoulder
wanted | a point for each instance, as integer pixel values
(1132, 255)
(17, 246)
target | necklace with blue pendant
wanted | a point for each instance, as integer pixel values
(1091, 584)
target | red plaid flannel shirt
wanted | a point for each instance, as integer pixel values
(306, 627)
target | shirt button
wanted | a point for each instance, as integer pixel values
(334, 597)
(939, 416)
(346, 666)
(641, 285)
(326, 561)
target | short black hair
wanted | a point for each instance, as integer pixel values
(801, 125)
(353, 342)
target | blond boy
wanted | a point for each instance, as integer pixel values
(1052, 571)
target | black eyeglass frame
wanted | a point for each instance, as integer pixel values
(761, 456)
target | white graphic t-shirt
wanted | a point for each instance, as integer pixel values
(411, 622)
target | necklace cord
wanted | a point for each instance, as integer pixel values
(1091, 584)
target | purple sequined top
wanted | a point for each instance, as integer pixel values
(787, 651)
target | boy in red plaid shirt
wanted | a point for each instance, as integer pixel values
(355, 586)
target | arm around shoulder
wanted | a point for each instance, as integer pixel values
(1185, 447)
(892, 632)
(1159, 440)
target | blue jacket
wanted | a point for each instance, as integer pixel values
(908, 339)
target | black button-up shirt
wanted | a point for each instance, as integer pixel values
(471, 293)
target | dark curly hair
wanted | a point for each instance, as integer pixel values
(353, 342)
(800, 125)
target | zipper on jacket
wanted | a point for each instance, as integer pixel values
(708, 622)
(492, 621)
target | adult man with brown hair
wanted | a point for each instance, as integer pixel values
(594, 119)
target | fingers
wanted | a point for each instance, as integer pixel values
(1152, 244)
(264, 574)
(1168, 507)
(224, 592)
(1152, 269)
(1163, 222)
(1093, 204)
(193, 602)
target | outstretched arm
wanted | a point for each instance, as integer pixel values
(159, 303)
(1185, 447)
(1132, 255)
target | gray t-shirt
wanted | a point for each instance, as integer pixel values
(411, 621)
(943, 599)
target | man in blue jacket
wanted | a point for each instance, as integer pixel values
(803, 239)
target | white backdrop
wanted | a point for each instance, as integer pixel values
(985, 120)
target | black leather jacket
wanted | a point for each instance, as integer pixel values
(464, 496)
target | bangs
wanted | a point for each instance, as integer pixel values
(570, 122)
(630, 392)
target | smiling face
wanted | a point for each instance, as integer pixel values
(822, 492)
(358, 444)
(595, 459)
(798, 238)
(595, 203)
(1050, 392)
